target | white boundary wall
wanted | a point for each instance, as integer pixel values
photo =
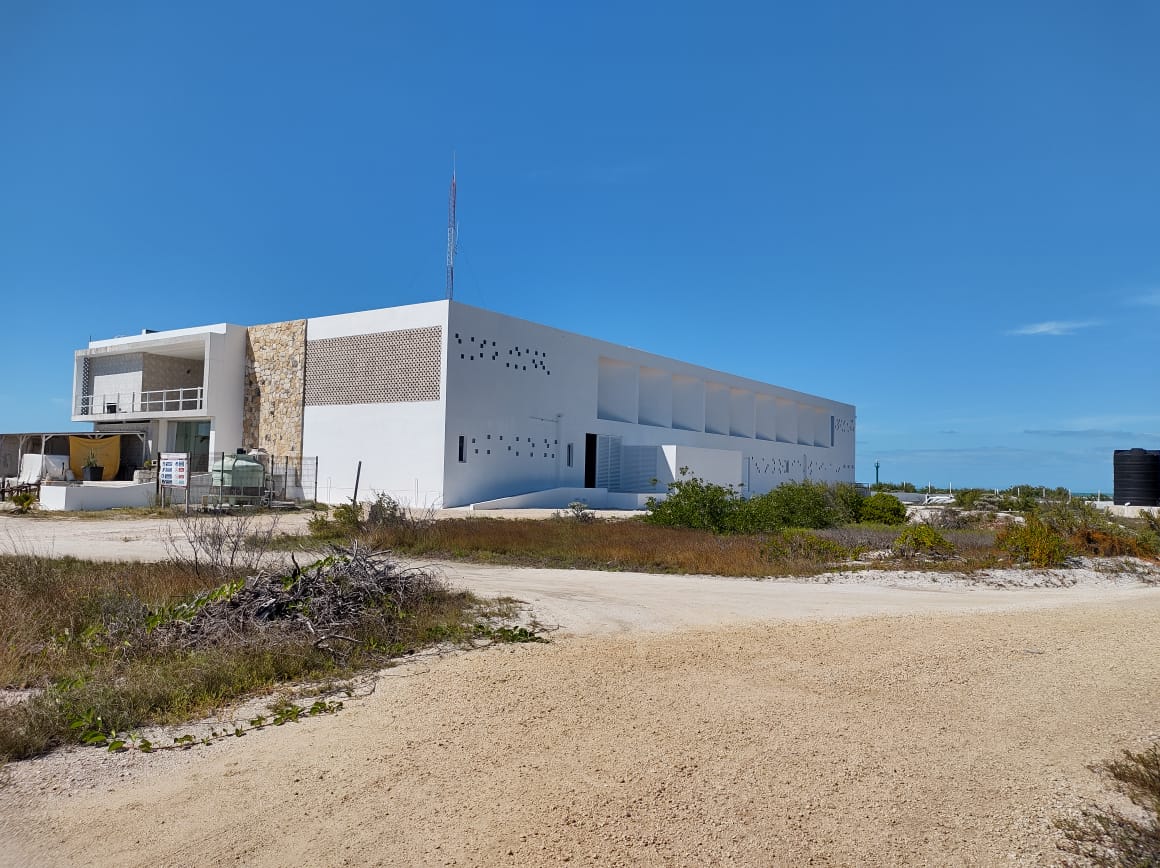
(96, 495)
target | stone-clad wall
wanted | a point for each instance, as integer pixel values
(275, 366)
(170, 372)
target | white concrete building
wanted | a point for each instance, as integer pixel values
(184, 387)
(450, 405)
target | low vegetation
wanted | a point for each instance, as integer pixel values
(1034, 544)
(1116, 838)
(883, 508)
(922, 540)
(101, 649)
(694, 503)
(799, 529)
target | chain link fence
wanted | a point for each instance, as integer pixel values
(255, 479)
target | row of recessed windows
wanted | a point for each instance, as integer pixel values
(483, 342)
(547, 450)
(482, 351)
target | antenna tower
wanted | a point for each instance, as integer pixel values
(452, 234)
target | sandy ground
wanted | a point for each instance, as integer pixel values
(673, 721)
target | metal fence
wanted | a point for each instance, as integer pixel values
(255, 479)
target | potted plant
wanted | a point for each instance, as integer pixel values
(92, 471)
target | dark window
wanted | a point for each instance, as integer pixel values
(462, 448)
(570, 454)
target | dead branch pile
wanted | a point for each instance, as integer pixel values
(324, 601)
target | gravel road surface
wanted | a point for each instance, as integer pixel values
(673, 721)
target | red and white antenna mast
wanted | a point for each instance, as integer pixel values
(452, 234)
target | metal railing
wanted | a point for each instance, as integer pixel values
(156, 401)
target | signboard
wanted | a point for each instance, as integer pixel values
(174, 469)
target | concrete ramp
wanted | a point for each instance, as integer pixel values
(559, 498)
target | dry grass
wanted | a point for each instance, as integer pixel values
(638, 546)
(606, 545)
(44, 600)
(1113, 837)
(79, 634)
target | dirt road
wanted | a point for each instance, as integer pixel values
(776, 730)
(923, 740)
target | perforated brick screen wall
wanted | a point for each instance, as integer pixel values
(377, 368)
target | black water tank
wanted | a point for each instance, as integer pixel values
(1137, 477)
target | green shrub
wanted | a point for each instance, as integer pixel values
(894, 486)
(694, 503)
(969, 498)
(578, 512)
(349, 516)
(1035, 543)
(320, 526)
(883, 508)
(921, 539)
(347, 521)
(1095, 532)
(847, 502)
(1069, 518)
(23, 501)
(1149, 533)
(384, 511)
(791, 504)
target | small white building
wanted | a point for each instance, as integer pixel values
(450, 405)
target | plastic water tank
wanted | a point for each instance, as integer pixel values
(238, 471)
(1136, 474)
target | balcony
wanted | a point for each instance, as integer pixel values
(119, 405)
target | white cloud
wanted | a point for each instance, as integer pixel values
(1150, 298)
(1053, 327)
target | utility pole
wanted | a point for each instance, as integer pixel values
(452, 234)
(876, 465)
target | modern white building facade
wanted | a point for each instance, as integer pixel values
(450, 405)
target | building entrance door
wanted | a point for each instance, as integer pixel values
(589, 460)
(193, 437)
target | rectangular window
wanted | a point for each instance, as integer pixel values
(831, 430)
(569, 454)
(462, 448)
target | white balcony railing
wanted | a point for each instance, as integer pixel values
(157, 401)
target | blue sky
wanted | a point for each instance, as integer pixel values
(945, 214)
